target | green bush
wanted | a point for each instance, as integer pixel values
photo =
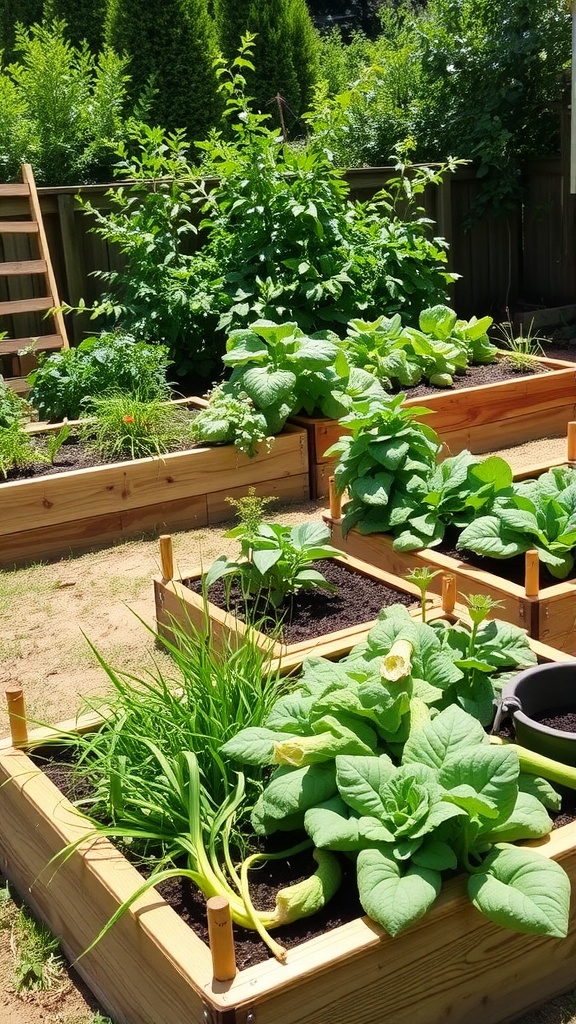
(64, 383)
(280, 238)
(480, 79)
(171, 43)
(61, 109)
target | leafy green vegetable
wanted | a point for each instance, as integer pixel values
(539, 514)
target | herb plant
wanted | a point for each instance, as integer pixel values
(17, 449)
(64, 382)
(12, 408)
(161, 784)
(124, 426)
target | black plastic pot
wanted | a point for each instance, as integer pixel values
(539, 692)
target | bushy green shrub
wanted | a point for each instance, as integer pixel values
(64, 382)
(280, 241)
(171, 43)
(480, 79)
(61, 108)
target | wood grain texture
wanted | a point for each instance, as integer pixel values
(481, 419)
(81, 493)
(151, 969)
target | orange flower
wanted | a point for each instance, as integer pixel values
(128, 419)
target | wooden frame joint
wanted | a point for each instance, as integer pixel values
(241, 1015)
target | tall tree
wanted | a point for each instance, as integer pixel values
(285, 49)
(84, 20)
(172, 42)
(13, 12)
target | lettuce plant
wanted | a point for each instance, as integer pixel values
(441, 347)
(366, 766)
(538, 514)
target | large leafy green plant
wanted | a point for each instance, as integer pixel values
(388, 466)
(365, 768)
(539, 514)
(384, 464)
(278, 370)
(280, 239)
(441, 346)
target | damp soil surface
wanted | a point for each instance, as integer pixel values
(75, 453)
(312, 613)
(511, 569)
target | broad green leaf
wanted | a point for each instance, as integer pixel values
(449, 733)
(360, 781)
(486, 536)
(390, 897)
(373, 490)
(528, 820)
(483, 780)
(435, 854)
(522, 890)
(254, 745)
(310, 535)
(266, 386)
(332, 826)
(265, 559)
(295, 790)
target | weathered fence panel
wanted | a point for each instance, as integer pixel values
(529, 256)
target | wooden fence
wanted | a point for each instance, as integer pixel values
(529, 257)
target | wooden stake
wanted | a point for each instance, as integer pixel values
(166, 557)
(335, 499)
(17, 714)
(571, 442)
(448, 593)
(532, 582)
(220, 938)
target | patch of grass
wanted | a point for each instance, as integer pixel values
(39, 964)
(32, 580)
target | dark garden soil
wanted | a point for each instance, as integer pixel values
(511, 569)
(313, 613)
(74, 454)
(475, 376)
(564, 721)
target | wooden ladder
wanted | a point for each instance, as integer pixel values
(17, 241)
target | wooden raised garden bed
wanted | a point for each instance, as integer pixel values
(178, 606)
(152, 969)
(548, 614)
(481, 419)
(52, 515)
